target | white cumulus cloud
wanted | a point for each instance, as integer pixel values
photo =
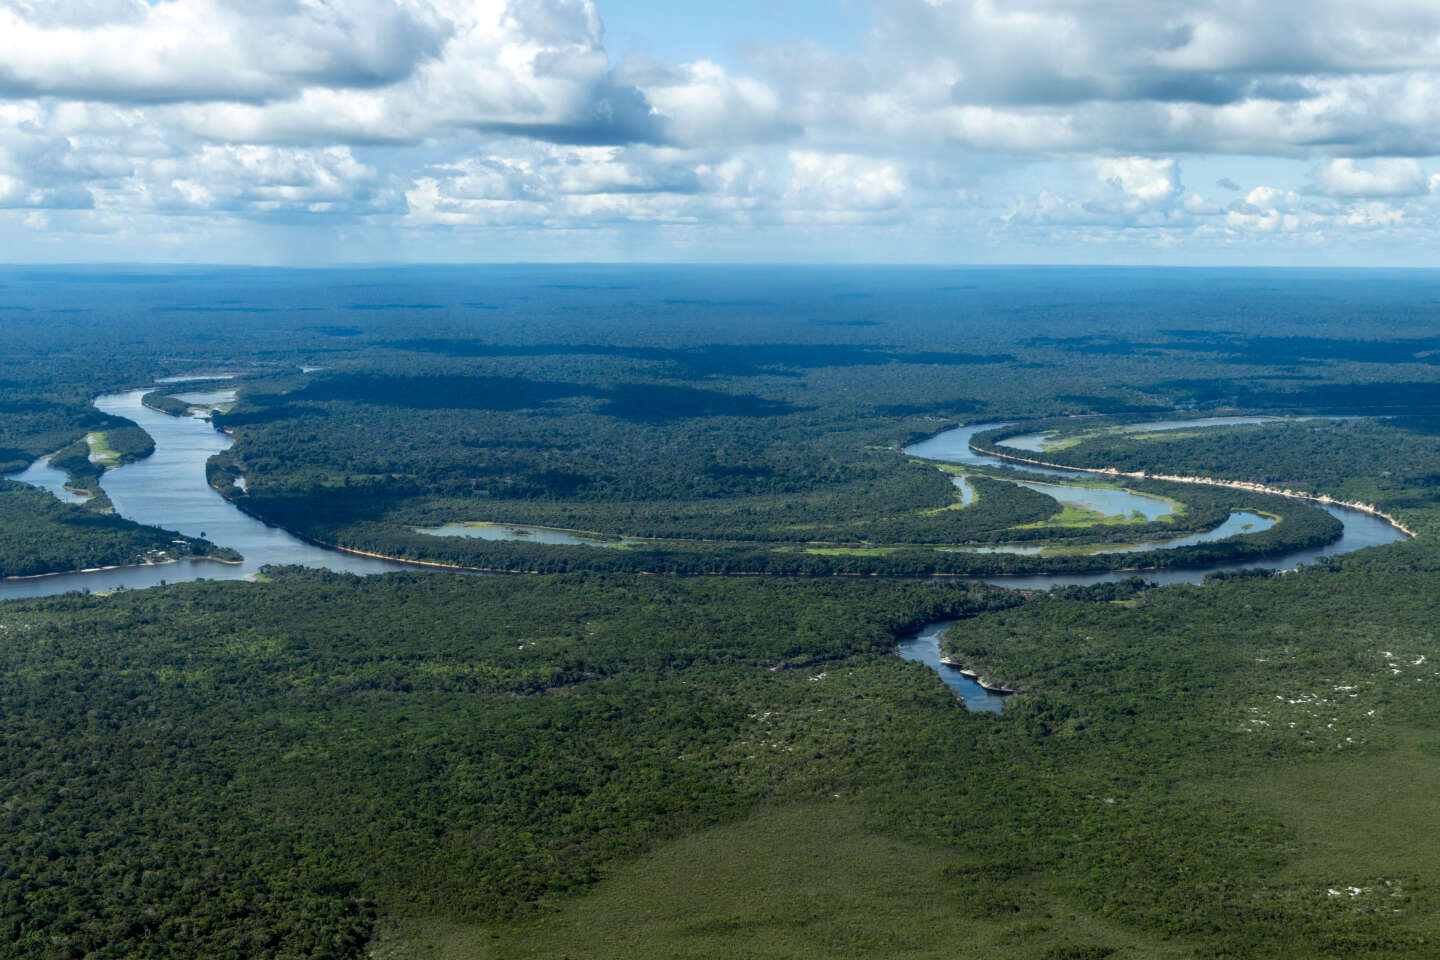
(1385, 177)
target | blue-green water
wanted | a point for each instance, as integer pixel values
(924, 646)
(522, 533)
(41, 474)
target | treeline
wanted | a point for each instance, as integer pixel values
(162, 401)
(339, 460)
(1393, 463)
(39, 534)
(1301, 526)
(485, 746)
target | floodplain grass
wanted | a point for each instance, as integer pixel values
(801, 881)
(100, 452)
(852, 551)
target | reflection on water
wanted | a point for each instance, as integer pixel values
(41, 474)
(192, 377)
(1109, 501)
(967, 492)
(1241, 521)
(208, 400)
(168, 489)
(521, 533)
(1033, 442)
(1040, 442)
(1361, 529)
(1206, 422)
(924, 647)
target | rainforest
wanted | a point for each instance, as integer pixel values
(458, 612)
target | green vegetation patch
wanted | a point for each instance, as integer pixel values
(100, 452)
(804, 881)
(39, 535)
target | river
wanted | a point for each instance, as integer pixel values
(953, 446)
(923, 646)
(1361, 529)
(168, 489)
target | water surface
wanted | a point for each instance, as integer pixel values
(1040, 442)
(1205, 422)
(924, 646)
(1361, 529)
(168, 489)
(1106, 500)
(521, 533)
(41, 474)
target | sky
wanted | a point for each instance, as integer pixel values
(314, 132)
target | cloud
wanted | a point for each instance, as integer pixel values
(1387, 177)
(1123, 192)
(265, 181)
(202, 50)
(1131, 76)
(704, 105)
(826, 184)
(949, 118)
(17, 194)
(1212, 52)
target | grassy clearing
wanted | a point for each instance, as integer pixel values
(1074, 515)
(806, 881)
(100, 451)
(852, 551)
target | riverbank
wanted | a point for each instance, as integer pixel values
(979, 680)
(121, 566)
(1320, 498)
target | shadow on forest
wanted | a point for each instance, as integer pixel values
(1336, 397)
(639, 402)
(713, 361)
(1236, 348)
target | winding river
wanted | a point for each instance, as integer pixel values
(168, 489)
(953, 446)
(1361, 529)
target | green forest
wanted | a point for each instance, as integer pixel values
(692, 736)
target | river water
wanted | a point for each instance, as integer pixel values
(41, 474)
(168, 489)
(1361, 529)
(953, 446)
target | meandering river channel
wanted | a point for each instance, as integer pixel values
(1362, 530)
(169, 489)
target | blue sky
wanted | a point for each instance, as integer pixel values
(722, 32)
(895, 131)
